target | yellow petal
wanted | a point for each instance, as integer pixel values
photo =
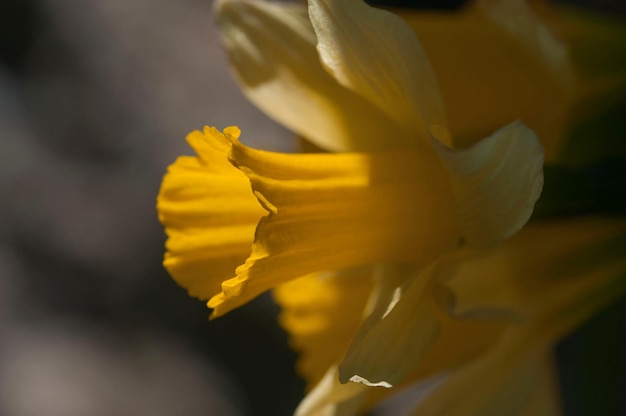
(374, 53)
(468, 350)
(544, 397)
(500, 383)
(576, 267)
(524, 26)
(330, 398)
(496, 183)
(538, 270)
(459, 342)
(336, 211)
(595, 40)
(490, 77)
(271, 47)
(209, 215)
(310, 307)
(412, 338)
(321, 313)
(394, 338)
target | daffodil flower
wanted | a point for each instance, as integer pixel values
(357, 241)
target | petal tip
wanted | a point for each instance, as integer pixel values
(359, 379)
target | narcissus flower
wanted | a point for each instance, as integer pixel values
(364, 243)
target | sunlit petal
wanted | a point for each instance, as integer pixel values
(271, 47)
(376, 54)
(209, 215)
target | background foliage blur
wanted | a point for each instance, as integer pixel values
(96, 98)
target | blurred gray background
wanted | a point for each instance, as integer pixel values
(96, 98)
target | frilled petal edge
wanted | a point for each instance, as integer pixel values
(209, 215)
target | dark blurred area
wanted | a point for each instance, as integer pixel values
(95, 101)
(96, 98)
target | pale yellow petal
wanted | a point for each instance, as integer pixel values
(209, 215)
(489, 77)
(321, 313)
(500, 383)
(331, 398)
(575, 273)
(545, 396)
(595, 40)
(459, 342)
(408, 338)
(336, 211)
(538, 268)
(271, 47)
(393, 340)
(496, 183)
(518, 19)
(374, 53)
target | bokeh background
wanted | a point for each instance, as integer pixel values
(96, 98)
